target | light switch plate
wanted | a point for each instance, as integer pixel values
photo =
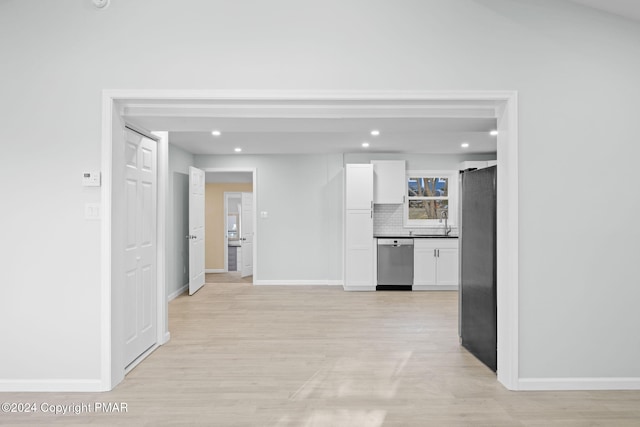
(264, 214)
(92, 211)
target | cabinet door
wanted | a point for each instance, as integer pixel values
(389, 181)
(359, 248)
(447, 267)
(424, 265)
(359, 186)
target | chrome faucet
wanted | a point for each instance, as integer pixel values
(445, 215)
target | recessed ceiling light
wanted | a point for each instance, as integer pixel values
(493, 133)
(237, 150)
(216, 133)
(375, 132)
(464, 145)
(365, 144)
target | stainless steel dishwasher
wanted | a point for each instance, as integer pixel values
(395, 264)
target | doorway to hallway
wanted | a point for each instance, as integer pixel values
(229, 221)
(227, 277)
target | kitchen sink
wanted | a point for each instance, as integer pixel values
(433, 235)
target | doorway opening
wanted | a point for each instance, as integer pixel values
(174, 106)
(229, 251)
(233, 231)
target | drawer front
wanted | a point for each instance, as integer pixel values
(434, 243)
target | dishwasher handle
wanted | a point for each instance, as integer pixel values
(396, 243)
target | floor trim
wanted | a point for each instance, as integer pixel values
(51, 385)
(130, 367)
(435, 288)
(176, 294)
(367, 288)
(601, 383)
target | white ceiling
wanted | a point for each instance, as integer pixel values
(303, 135)
(627, 8)
(320, 127)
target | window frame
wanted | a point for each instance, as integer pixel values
(453, 177)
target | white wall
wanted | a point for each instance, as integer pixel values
(301, 240)
(575, 70)
(178, 219)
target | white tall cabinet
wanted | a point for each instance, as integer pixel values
(359, 247)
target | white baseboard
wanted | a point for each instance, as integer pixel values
(50, 385)
(215, 270)
(295, 282)
(140, 358)
(434, 288)
(166, 338)
(552, 384)
(335, 282)
(367, 288)
(176, 294)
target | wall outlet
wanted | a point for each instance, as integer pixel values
(264, 214)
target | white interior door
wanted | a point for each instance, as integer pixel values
(196, 229)
(140, 181)
(246, 228)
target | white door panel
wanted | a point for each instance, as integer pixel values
(196, 229)
(246, 229)
(140, 181)
(424, 264)
(448, 266)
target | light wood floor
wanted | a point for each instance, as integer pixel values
(229, 277)
(241, 355)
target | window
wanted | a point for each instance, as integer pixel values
(431, 196)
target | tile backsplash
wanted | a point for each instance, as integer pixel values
(388, 220)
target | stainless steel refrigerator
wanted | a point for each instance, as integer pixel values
(478, 308)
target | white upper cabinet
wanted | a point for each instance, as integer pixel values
(389, 181)
(359, 188)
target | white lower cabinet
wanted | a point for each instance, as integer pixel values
(435, 264)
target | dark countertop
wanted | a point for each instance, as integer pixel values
(414, 236)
